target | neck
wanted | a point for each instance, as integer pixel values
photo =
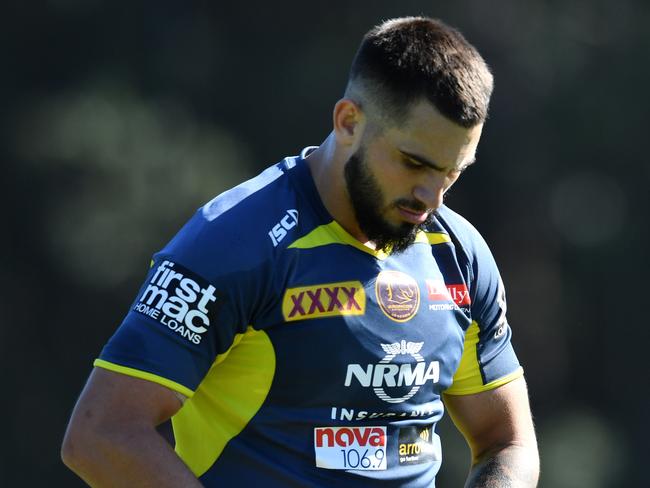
(327, 165)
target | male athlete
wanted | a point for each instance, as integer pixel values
(303, 328)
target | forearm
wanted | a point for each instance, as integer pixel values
(514, 466)
(138, 457)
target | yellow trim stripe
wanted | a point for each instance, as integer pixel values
(421, 237)
(136, 373)
(333, 233)
(437, 238)
(468, 375)
(489, 386)
(229, 396)
(468, 379)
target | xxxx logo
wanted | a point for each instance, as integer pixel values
(327, 300)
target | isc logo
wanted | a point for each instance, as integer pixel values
(179, 299)
(347, 436)
(279, 230)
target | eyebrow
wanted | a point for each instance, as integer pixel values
(426, 162)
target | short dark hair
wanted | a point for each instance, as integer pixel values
(403, 60)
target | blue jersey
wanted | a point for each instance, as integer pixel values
(308, 359)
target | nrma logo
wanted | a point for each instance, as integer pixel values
(402, 380)
(179, 300)
(327, 300)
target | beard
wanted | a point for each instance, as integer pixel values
(369, 206)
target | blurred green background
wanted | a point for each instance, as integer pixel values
(119, 119)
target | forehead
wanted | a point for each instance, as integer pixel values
(425, 131)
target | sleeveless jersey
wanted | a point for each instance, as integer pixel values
(308, 359)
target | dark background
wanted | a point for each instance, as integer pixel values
(119, 119)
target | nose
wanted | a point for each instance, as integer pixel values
(431, 192)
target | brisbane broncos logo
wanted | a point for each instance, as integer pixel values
(398, 295)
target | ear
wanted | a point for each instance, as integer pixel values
(349, 122)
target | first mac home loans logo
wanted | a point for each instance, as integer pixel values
(178, 299)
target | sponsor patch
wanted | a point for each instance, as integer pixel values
(393, 379)
(326, 300)
(459, 294)
(358, 448)
(178, 299)
(438, 291)
(417, 445)
(398, 295)
(352, 414)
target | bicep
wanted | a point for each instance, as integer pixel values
(112, 440)
(493, 419)
(112, 399)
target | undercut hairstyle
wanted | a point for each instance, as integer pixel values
(407, 59)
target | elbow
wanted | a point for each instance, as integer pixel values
(83, 446)
(517, 461)
(67, 453)
(72, 448)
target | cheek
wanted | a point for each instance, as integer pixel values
(393, 179)
(387, 174)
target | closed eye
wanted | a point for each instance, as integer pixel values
(412, 163)
(415, 162)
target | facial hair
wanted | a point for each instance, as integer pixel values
(369, 204)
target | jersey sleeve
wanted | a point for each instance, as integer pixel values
(488, 359)
(200, 295)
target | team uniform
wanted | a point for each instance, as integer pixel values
(306, 358)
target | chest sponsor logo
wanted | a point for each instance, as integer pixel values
(392, 379)
(352, 414)
(451, 296)
(362, 448)
(417, 445)
(178, 299)
(398, 295)
(280, 230)
(326, 300)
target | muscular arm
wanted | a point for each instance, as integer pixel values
(112, 440)
(498, 427)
